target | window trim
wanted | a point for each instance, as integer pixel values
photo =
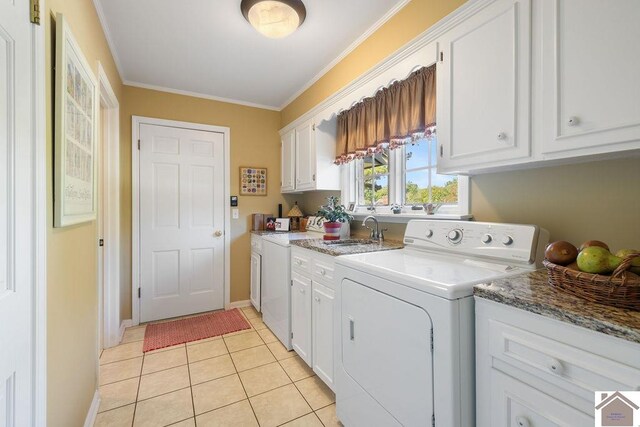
(349, 193)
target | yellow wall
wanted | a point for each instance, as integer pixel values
(72, 299)
(254, 142)
(407, 24)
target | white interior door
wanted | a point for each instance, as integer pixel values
(182, 208)
(16, 215)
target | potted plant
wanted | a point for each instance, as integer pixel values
(335, 215)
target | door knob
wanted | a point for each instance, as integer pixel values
(218, 233)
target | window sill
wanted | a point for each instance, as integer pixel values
(406, 217)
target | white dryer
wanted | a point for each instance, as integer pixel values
(404, 323)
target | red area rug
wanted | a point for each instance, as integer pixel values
(166, 334)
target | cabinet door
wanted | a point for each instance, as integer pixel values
(305, 156)
(322, 342)
(256, 277)
(591, 64)
(301, 316)
(514, 403)
(287, 180)
(484, 85)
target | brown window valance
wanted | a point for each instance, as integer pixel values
(401, 111)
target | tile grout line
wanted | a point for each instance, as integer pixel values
(241, 383)
(193, 403)
(135, 408)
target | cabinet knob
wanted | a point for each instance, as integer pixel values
(555, 366)
(298, 262)
(218, 233)
(323, 271)
(317, 299)
(302, 291)
(573, 121)
(502, 136)
(522, 421)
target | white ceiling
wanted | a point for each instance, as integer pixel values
(206, 47)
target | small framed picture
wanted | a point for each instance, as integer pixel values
(270, 224)
(282, 224)
(253, 181)
(352, 207)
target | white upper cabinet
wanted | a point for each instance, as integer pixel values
(305, 156)
(287, 176)
(308, 154)
(484, 87)
(591, 76)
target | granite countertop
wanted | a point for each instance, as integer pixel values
(359, 246)
(266, 232)
(531, 292)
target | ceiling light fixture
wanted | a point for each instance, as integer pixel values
(274, 18)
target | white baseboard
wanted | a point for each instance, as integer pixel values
(238, 304)
(127, 323)
(93, 410)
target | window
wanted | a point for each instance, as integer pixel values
(373, 179)
(405, 176)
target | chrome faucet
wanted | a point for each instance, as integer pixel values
(376, 233)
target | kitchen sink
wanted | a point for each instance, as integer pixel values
(350, 242)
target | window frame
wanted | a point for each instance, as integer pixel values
(397, 188)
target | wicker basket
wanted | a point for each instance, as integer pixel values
(621, 289)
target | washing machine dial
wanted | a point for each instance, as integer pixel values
(454, 236)
(507, 240)
(487, 238)
(429, 234)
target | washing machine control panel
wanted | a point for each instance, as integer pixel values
(515, 242)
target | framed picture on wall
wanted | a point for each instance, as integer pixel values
(253, 181)
(75, 140)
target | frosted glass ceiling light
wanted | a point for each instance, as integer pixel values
(274, 18)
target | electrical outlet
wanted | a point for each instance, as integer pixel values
(235, 213)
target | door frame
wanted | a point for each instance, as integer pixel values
(40, 225)
(109, 294)
(136, 121)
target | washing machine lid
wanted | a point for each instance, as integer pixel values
(447, 276)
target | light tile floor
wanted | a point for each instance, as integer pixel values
(246, 378)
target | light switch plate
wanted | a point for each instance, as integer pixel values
(235, 213)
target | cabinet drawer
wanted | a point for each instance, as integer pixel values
(514, 403)
(300, 263)
(576, 370)
(324, 272)
(256, 243)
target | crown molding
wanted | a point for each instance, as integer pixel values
(107, 35)
(430, 35)
(199, 95)
(357, 42)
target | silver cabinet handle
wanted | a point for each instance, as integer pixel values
(352, 330)
(218, 233)
(502, 136)
(573, 121)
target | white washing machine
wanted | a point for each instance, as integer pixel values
(404, 321)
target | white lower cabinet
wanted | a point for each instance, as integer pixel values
(535, 371)
(322, 332)
(312, 305)
(514, 403)
(301, 316)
